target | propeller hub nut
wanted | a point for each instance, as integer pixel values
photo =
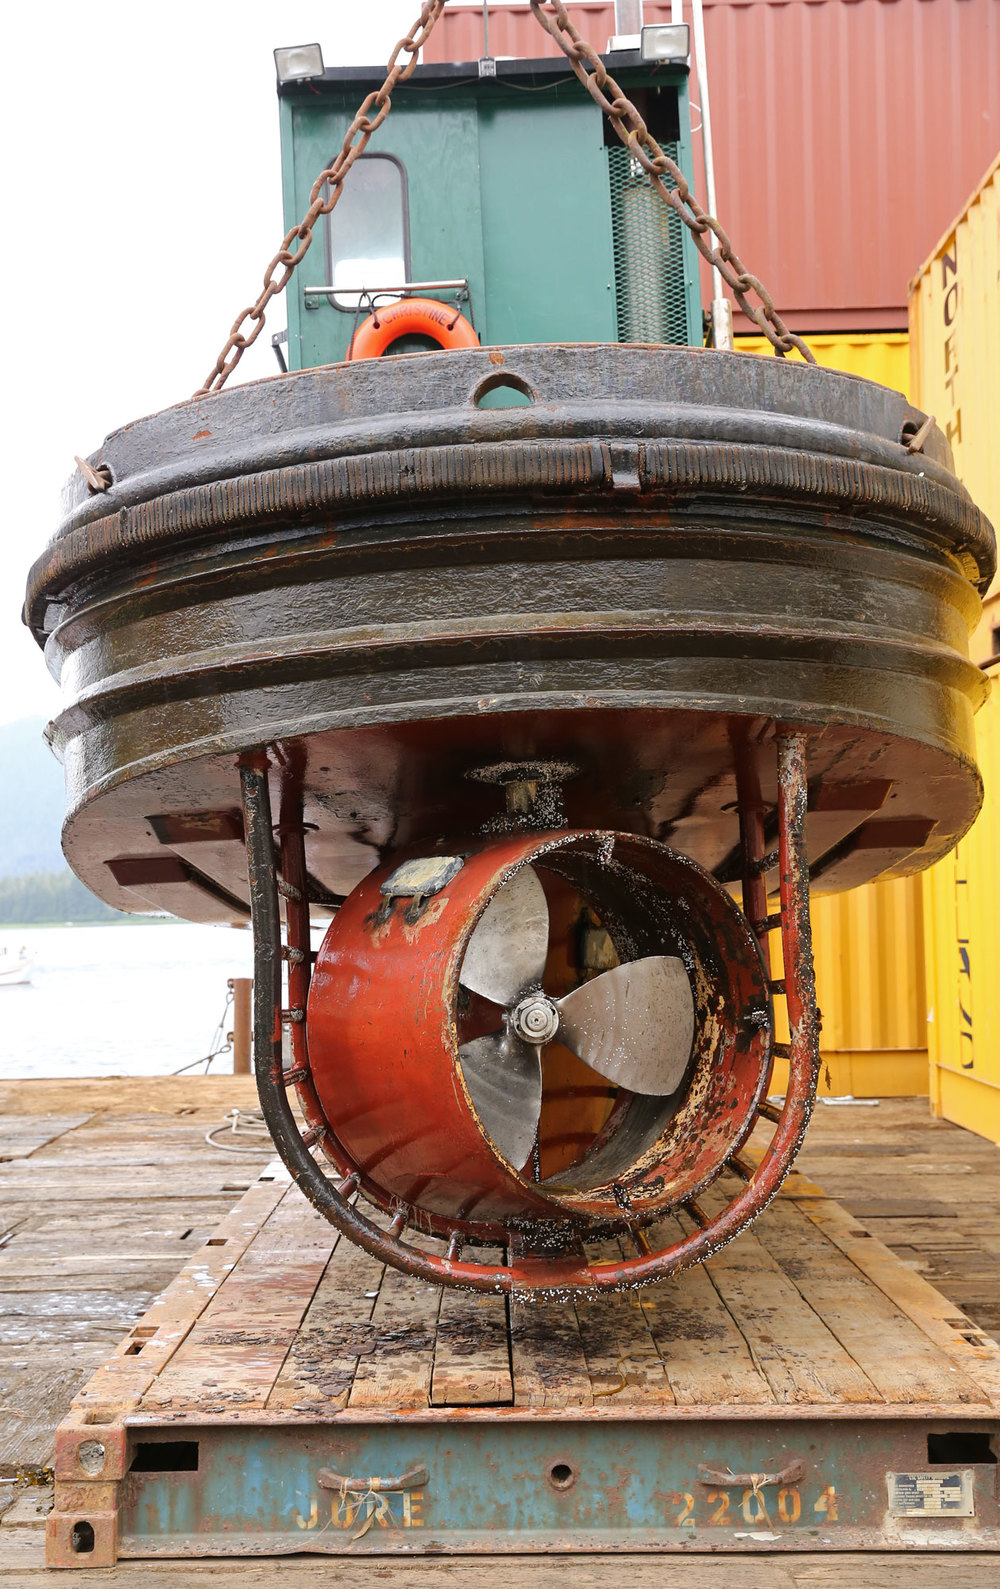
(536, 1019)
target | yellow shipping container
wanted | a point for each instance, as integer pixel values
(872, 991)
(955, 359)
(882, 356)
(963, 956)
(869, 944)
(955, 347)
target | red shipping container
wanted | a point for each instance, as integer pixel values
(847, 133)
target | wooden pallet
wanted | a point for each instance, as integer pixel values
(797, 1369)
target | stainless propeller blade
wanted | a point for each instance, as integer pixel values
(633, 1024)
(504, 1078)
(510, 942)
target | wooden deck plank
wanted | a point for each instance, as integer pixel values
(320, 1367)
(548, 1357)
(238, 1346)
(706, 1356)
(295, 1227)
(471, 1349)
(969, 1349)
(168, 1221)
(265, 1289)
(216, 1370)
(124, 1378)
(37, 1384)
(887, 1346)
(39, 1316)
(622, 1357)
(22, 1260)
(124, 1187)
(22, 1563)
(397, 1373)
(799, 1356)
(23, 1135)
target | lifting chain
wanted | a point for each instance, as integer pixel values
(296, 242)
(643, 147)
(626, 121)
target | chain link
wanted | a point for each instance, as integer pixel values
(296, 243)
(625, 119)
(643, 147)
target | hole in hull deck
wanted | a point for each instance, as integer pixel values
(562, 1476)
(503, 391)
(81, 1540)
(960, 1447)
(165, 1456)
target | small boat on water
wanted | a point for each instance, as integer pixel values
(15, 969)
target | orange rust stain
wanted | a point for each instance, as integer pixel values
(200, 434)
(496, 357)
(436, 909)
(379, 929)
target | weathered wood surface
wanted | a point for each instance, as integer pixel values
(319, 1370)
(21, 1135)
(471, 1351)
(397, 1373)
(623, 1360)
(927, 1189)
(273, 1312)
(105, 1199)
(102, 1206)
(862, 1317)
(150, 1095)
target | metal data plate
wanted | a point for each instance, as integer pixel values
(931, 1494)
(423, 877)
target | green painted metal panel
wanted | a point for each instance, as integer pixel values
(546, 209)
(509, 186)
(292, 216)
(438, 147)
(692, 271)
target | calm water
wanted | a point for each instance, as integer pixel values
(118, 1000)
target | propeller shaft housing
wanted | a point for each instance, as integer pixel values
(431, 1088)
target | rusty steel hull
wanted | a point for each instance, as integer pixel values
(358, 562)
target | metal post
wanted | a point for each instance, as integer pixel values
(242, 1024)
(628, 16)
(266, 923)
(752, 843)
(796, 931)
(722, 309)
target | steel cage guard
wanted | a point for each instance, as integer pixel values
(526, 1274)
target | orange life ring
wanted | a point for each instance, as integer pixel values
(408, 317)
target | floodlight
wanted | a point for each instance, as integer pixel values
(666, 41)
(298, 63)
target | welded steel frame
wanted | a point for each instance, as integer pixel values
(522, 1272)
(488, 1481)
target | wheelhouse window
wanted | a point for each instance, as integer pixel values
(368, 234)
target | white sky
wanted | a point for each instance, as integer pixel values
(141, 204)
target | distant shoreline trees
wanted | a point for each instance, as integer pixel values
(51, 897)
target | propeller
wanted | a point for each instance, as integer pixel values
(633, 1024)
